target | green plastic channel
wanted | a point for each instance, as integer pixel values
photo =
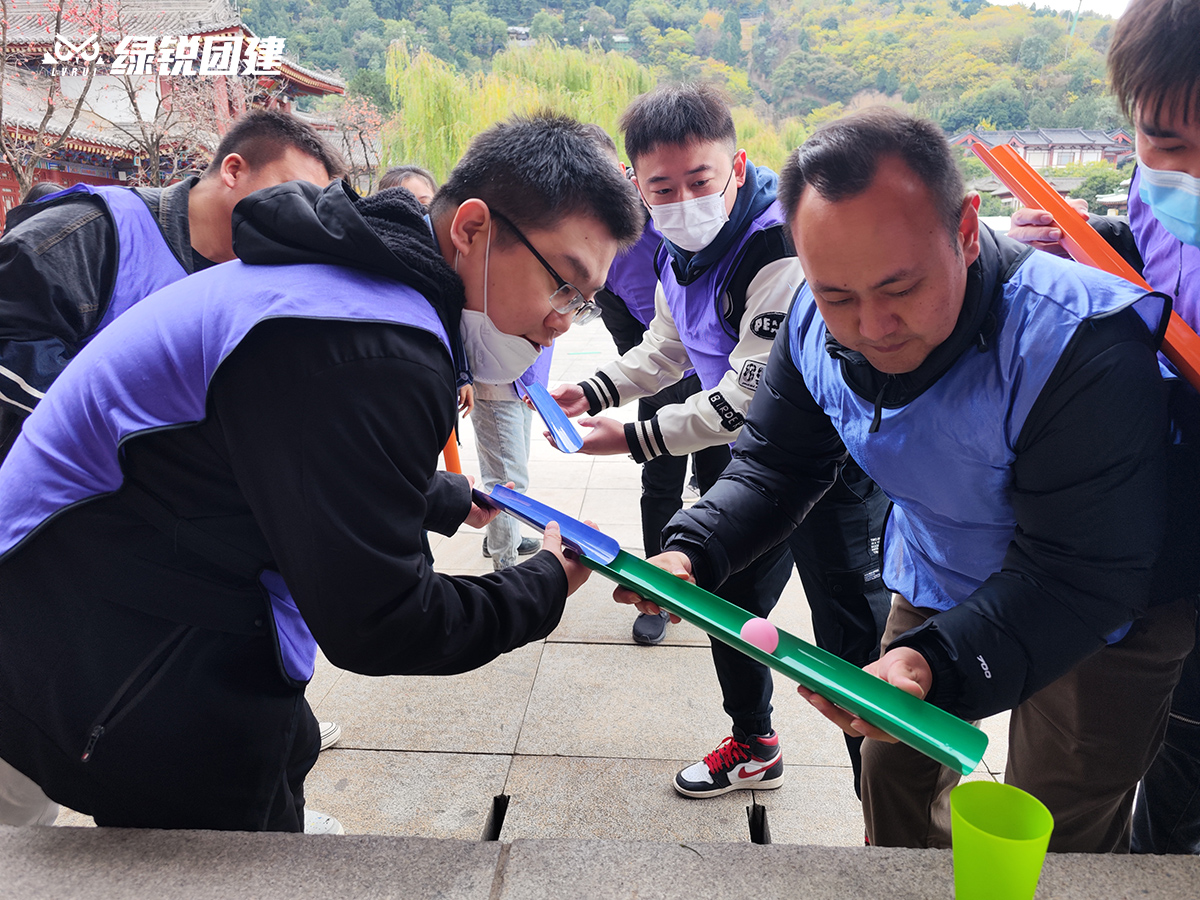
(922, 726)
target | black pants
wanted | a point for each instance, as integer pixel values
(142, 722)
(663, 477)
(836, 553)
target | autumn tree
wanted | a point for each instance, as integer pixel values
(25, 141)
(359, 126)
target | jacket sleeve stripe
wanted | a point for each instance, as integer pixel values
(21, 383)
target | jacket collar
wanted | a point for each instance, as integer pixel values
(170, 207)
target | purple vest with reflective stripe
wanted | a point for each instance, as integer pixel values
(145, 262)
(1168, 260)
(152, 369)
(698, 308)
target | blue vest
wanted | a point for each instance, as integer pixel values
(945, 458)
(152, 370)
(145, 262)
(698, 308)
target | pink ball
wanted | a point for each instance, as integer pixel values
(761, 633)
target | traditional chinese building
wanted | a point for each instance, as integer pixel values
(158, 44)
(1054, 147)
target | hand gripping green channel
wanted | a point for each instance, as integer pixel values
(923, 726)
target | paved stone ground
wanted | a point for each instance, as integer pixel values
(583, 731)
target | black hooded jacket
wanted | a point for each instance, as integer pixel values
(1088, 490)
(317, 457)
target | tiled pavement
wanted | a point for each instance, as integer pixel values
(581, 732)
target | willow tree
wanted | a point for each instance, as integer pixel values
(440, 109)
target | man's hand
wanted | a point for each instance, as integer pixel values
(480, 516)
(1036, 227)
(571, 398)
(604, 437)
(577, 573)
(903, 667)
(672, 561)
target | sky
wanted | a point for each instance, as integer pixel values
(1112, 8)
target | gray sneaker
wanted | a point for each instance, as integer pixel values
(650, 629)
(527, 547)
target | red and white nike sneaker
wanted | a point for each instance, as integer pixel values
(741, 763)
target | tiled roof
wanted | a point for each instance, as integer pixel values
(29, 23)
(25, 105)
(32, 21)
(1044, 137)
(291, 66)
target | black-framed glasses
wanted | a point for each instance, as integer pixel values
(568, 299)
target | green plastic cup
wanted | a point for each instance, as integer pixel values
(1000, 834)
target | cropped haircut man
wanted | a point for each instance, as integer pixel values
(1011, 407)
(250, 455)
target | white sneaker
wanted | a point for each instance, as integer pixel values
(331, 733)
(319, 823)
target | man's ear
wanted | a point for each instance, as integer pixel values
(739, 167)
(471, 224)
(968, 228)
(233, 167)
(637, 187)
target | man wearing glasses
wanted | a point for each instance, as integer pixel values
(239, 470)
(502, 420)
(727, 275)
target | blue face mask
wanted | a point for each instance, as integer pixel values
(1174, 198)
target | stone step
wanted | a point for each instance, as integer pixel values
(132, 864)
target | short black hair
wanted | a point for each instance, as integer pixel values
(1154, 59)
(679, 114)
(841, 157)
(602, 137)
(261, 136)
(396, 174)
(536, 170)
(41, 189)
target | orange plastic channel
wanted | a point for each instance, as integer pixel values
(1181, 345)
(450, 454)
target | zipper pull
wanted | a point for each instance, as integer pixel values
(91, 744)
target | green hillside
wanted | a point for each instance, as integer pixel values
(961, 63)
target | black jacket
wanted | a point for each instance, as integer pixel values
(318, 457)
(1087, 490)
(58, 262)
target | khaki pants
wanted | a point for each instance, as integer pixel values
(1080, 745)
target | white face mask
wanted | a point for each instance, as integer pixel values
(495, 357)
(692, 224)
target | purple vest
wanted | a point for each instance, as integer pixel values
(632, 277)
(145, 262)
(151, 370)
(1169, 261)
(698, 308)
